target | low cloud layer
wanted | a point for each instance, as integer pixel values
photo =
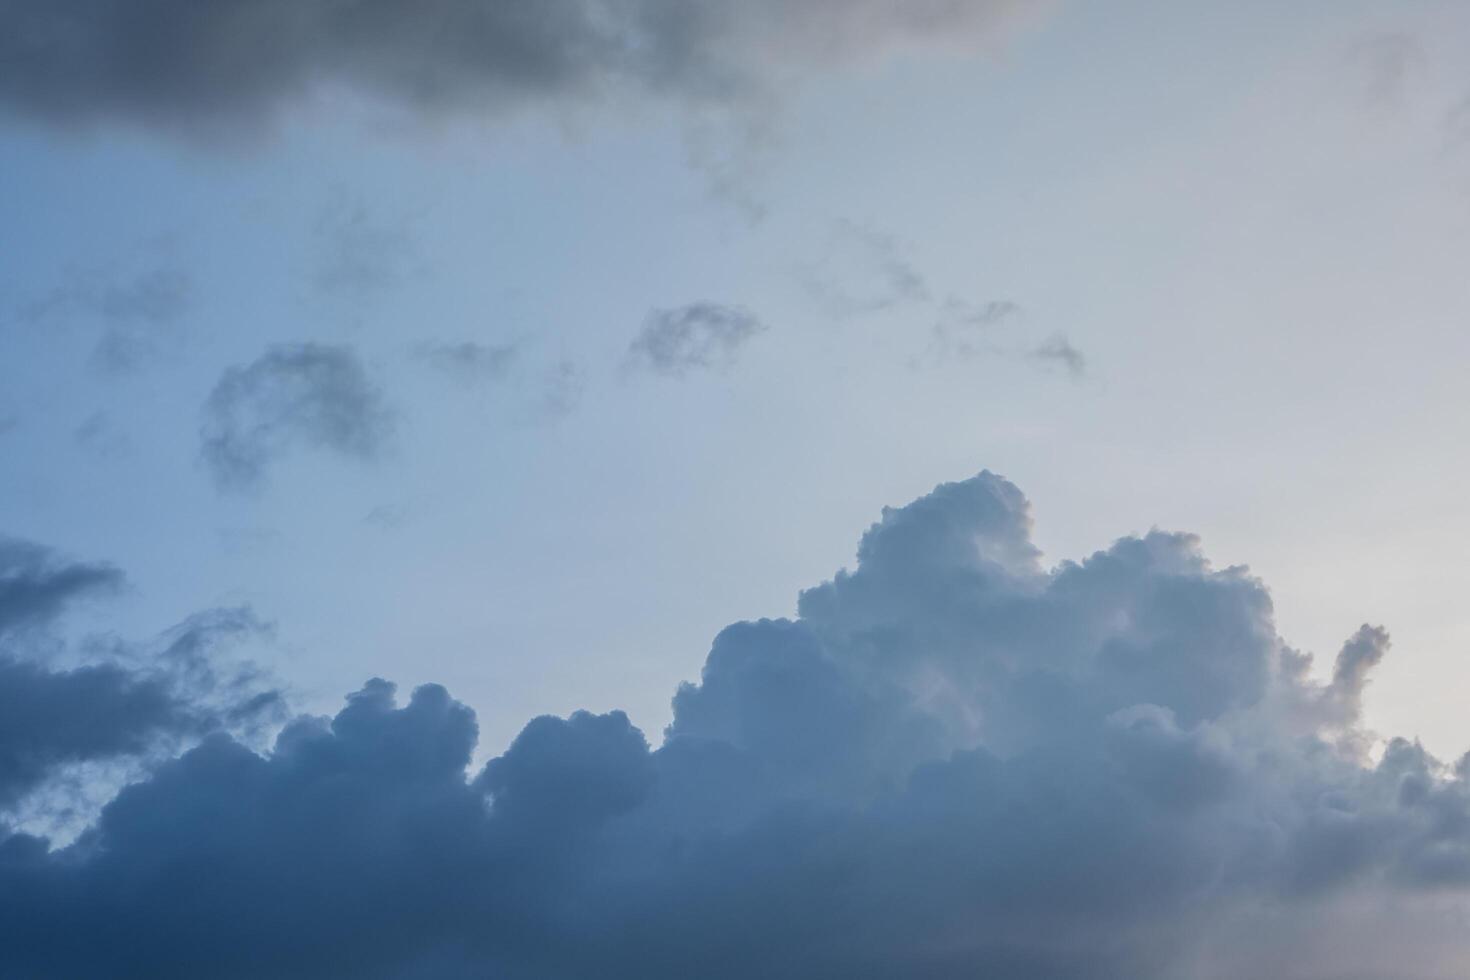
(120, 702)
(699, 336)
(178, 63)
(310, 396)
(954, 762)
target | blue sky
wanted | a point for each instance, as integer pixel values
(1187, 267)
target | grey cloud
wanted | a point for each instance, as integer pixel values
(469, 361)
(359, 253)
(51, 718)
(122, 703)
(302, 395)
(98, 435)
(1058, 350)
(966, 330)
(864, 270)
(141, 314)
(984, 315)
(1386, 65)
(37, 585)
(216, 66)
(157, 296)
(954, 762)
(693, 337)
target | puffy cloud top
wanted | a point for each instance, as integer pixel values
(955, 762)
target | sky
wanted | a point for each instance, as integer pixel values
(841, 487)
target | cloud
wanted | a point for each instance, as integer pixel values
(100, 436)
(206, 67)
(37, 585)
(294, 395)
(694, 337)
(1058, 350)
(50, 718)
(1386, 66)
(124, 701)
(468, 361)
(359, 254)
(141, 314)
(954, 762)
(864, 270)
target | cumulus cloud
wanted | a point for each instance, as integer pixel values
(50, 718)
(177, 63)
(312, 395)
(954, 762)
(693, 337)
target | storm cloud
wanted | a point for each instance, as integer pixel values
(954, 762)
(303, 395)
(178, 63)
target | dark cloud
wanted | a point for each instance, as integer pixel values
(127, 700)
(51, 718)
(301, 395)
(37, 584)
(955, 762)
(211, 66)
(1058, 350)
(693, 337)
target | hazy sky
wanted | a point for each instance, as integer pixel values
(520, 349)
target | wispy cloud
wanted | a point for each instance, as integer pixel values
(698, 336)
(304, 395)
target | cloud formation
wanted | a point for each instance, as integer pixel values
(359, 254)
(693, 337)
(37, 585)
(1058, 350)
(178, 63)
(469, 361)
(123, 702)
(954, 762)
(864, 270)
(141, 314)
(312, 395)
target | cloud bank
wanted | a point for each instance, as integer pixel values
(954, 762)
(179, 63)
